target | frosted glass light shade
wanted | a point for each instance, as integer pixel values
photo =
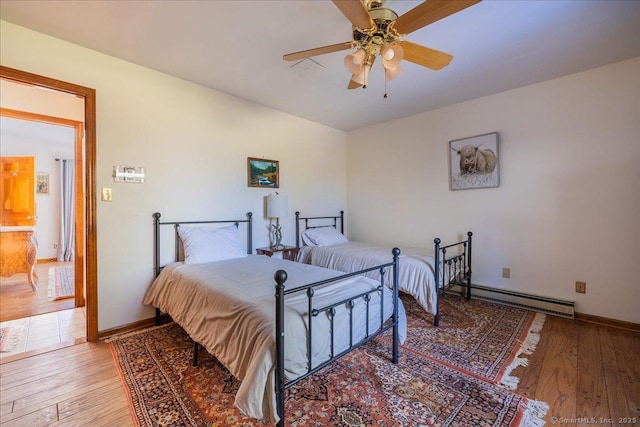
(392, 73)
(277, 206)
(354, 62)
(363, 77)
(391, 55)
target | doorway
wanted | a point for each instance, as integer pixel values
(85, 257)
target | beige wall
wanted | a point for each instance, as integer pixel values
(567, 208)
(193, 143)
(568, 205)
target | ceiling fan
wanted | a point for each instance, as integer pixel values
(379, 31)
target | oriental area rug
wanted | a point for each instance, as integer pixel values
(452, 376)
(4, 337)
(61, 282)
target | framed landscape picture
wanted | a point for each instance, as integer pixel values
(474, 162)
(263, 173)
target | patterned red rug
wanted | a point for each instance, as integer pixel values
(362, 388)
(480, 338)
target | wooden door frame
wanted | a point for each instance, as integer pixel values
(86, 258)
(78, 128)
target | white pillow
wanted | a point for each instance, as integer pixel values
(323, 236)
(207, 244)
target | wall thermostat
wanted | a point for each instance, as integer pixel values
(133, 174)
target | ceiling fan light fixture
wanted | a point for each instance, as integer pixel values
(391, 55)
(363, 76)
(354, 62)
(352, 67)
(359, 56)
(380, 31)
(392, 73)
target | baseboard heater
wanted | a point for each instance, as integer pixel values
(557, 307)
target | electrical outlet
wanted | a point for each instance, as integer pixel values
(581, 287)
(55, 245)
(106, 194)
(506, 272)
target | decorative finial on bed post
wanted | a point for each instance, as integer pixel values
(156, 216)
(280, 277)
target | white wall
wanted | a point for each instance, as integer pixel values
(568, 205)
(194, 143)
(567, 208)
(46, 144)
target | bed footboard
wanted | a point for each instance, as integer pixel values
(452, 268)
(280, 278)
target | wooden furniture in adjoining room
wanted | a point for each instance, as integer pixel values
(18, 254)
(288, 252)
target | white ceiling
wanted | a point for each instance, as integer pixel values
(55, 137)
(237, 47)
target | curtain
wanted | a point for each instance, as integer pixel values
(66, 248)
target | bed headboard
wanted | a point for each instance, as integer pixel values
(178, 246)
(322, 222)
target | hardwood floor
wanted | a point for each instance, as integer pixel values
(581, 369)
(76, 385)
(587, 373)
(18, 300)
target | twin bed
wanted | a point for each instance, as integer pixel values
(423, 273)
(271, 322)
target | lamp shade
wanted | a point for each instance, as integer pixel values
(277, 206)
(354, 62)
(391, 56)
(392, 73)
(362, 78)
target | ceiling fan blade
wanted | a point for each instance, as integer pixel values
(355, 12)
(353, 84)
(429, 12)
(425, 56)
(317, 51)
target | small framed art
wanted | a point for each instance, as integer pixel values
(42, 183)
(263, 173)
(474, 162)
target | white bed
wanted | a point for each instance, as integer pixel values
(416, 273)
(228, 307)
(326, 246)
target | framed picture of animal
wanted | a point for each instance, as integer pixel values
(474, 162)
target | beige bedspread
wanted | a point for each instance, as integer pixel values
(229, 308)
(416, 273)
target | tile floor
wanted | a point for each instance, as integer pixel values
(45, 330)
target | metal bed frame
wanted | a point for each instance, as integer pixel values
(449, 270)
(280, 277)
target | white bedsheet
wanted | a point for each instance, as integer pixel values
(229, 308)
(416, 272)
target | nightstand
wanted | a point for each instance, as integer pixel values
(288, 252)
